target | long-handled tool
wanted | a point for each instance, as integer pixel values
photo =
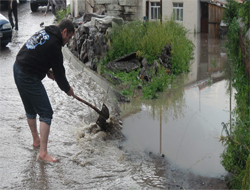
(103, 114)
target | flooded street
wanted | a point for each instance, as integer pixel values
(183, 124)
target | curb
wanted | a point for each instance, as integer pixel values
(102, 82)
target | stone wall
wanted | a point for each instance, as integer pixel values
(126, 9)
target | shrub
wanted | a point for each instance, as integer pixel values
(148, 40)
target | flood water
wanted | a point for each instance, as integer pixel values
(184, 123)
(174, 125)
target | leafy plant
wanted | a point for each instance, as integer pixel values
(232, 11)
(244, 13)
(61, 14)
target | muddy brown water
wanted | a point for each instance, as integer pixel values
(184, 124)
(92, 162)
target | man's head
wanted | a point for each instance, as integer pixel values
(67, 30)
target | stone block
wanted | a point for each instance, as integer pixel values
(93, 21)
(103, 24)
(102, 2)
(128, 2)
(113, 13)
(90, 23)
(99, 7)
(114, 7)
(129, 10)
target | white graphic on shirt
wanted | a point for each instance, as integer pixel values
(38, 38)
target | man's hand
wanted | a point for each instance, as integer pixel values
(70, 92)
(50, 74)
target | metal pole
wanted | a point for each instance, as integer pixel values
(230, 102)
(160, 130)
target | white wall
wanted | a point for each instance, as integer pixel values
(141, 9)
(191, 13)
(88, 5)
(76, 6)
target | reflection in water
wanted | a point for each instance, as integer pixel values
(185, 123)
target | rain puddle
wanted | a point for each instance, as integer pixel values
(184, 124)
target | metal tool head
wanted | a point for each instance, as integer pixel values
(103, 116)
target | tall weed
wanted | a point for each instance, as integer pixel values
(182, 47)
(125, 39)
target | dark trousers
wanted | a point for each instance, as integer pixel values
(33, 95)
(14, 11)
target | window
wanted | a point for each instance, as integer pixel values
(155, 10)
(178, 11)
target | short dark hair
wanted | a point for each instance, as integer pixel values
(66, 23)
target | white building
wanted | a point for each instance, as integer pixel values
(193, 14)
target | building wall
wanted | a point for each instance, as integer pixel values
(191, 13)
(141, 10)
(76, 6)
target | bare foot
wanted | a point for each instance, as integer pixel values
(47, 158)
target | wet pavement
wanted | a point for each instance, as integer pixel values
(89, 160)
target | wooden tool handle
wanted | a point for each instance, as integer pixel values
(90, 105)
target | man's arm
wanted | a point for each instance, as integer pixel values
(51, 76)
